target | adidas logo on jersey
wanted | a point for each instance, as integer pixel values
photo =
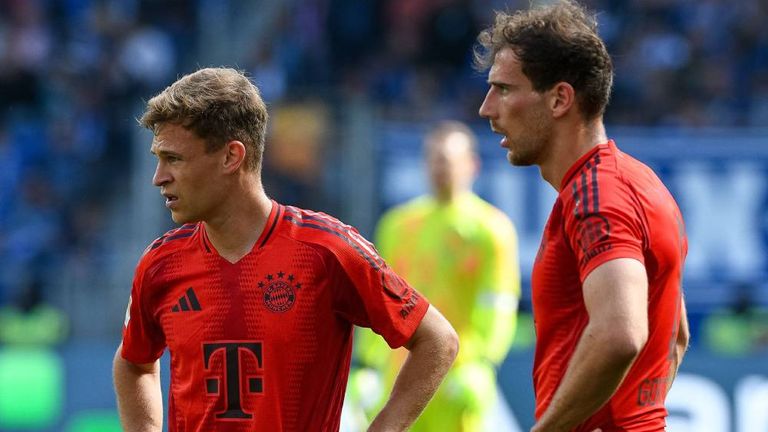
(187, 302)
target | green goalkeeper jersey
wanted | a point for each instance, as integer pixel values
(463, 257)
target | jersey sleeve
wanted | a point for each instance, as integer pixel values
(603, 222)
(372, 295)
(143, 340)
(494, 313)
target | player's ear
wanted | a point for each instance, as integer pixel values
(562, 97)
(234, 156)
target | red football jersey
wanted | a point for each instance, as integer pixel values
(610, 206)
(263, 344)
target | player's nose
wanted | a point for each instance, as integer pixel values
(487, 109)
(161, 176)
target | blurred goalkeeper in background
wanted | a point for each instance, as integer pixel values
(461, 252)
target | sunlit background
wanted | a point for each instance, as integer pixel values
(351, 86)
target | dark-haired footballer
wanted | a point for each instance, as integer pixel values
(611, 328)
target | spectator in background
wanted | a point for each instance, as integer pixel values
(610, 321)
(32, 374)
(29, 320)
(741, 328)
(295, 158)
(56, 123)
(461, 252)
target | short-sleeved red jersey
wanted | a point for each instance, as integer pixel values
(263, 344)
(610, 206)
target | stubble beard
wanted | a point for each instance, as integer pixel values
(529, 149)
(526, 153)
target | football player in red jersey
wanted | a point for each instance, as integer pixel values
(606, 285)
(254, 300)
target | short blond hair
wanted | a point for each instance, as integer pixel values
(218, 105)
(440, 131)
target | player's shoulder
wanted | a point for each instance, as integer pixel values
(319, 228)
(172, 241)
(486, 215)
(415, 207)
(405, 214)
(600, 164)
(486, 219)
(485, 209)
(329, 237)
(599, 176)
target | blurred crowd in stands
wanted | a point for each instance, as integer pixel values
(73, 74)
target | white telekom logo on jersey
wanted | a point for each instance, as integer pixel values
(128, 312)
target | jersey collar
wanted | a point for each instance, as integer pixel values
(272, 221)
(582, 160)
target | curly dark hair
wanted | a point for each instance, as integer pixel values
(218, 105)
(554, 43)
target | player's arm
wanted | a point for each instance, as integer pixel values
(494, 312)
(433, 348)
(681, 344)
(139, 398)
(616, 296)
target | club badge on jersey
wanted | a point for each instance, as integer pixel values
(279, 291)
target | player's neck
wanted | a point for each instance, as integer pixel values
(449, 195)
(569, 144)
(234, 230)
(444, 197)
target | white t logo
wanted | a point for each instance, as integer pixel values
(128, 312)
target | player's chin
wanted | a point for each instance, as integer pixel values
(515, 159)
(179, 217)
(518, 159)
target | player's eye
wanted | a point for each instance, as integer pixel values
(501, 88)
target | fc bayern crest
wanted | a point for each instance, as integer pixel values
(279, 291)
